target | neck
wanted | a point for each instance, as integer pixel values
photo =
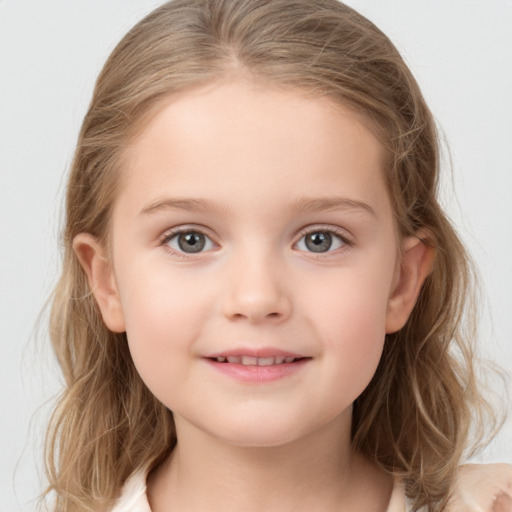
(317, 472)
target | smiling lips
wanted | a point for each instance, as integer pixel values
(260, 366)
(256, 361)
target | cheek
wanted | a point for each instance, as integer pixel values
(163, 321)
(159, 303)
(355, 333)
(351, 301)
(350, 317)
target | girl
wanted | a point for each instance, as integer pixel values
(261, 302)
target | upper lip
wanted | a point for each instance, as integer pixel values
(255, 352)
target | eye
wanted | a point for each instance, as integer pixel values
(190, 242)
(320, 241)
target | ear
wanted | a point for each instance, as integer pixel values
(100, 275)
(414, 267)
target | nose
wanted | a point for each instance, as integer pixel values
(257, 292)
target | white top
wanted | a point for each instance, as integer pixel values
(479, 488)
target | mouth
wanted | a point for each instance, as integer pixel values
(257, 366)
(257, 361)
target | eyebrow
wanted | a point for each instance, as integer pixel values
(201, 205)
(332, 203)
(302, 205)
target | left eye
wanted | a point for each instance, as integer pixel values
(189, 242)
(320, 241)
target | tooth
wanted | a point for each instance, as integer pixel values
(249, 361)
(234, 359)
(288, 359)
(265, 361)
(220, 359)
(279, 359)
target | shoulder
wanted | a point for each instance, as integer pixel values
(133, 497)
(478, 488)
(482, 488)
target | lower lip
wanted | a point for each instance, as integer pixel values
(258, 374)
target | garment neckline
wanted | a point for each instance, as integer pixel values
(134, 495)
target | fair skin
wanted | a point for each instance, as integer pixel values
(286, 247)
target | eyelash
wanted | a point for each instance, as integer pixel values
(170, 235)
(340, 234)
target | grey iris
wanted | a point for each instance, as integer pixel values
(320, 241)
(191, 242)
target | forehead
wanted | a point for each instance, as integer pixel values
(242, 140)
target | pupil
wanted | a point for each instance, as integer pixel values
(319, 242)
(191, 242)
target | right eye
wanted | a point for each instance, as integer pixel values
(189, 242)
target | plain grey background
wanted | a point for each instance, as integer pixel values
(50, 55)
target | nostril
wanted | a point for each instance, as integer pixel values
(256, 307)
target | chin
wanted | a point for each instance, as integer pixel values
(261, 434)
(259, 441)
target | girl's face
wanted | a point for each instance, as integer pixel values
(253, 262)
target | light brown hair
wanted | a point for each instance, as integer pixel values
(414, 418)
